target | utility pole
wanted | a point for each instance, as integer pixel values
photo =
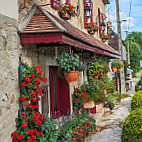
(122, 76)
(128, 49)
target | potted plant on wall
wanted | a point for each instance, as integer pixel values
(116, 65)
(95, 69)
(69, 65)
(66, 11)
(105, 37)
(92, 28)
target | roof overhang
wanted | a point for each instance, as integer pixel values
(47, 38)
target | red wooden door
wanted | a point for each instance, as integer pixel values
(59, 91)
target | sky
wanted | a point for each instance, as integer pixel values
(135, 18)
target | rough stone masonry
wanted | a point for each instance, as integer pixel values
(9, 90)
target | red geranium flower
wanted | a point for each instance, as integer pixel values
(23, 114)
(22, 99)
(27, 79)
(14, 135)
(32, 75)
(33, 137)
(22, 84)
(24, 125)
(20, 137)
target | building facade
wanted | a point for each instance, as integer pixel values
(38, 36)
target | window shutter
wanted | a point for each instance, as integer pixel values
(55, 3)
(68, 1)
(91, 5)
(99, 16)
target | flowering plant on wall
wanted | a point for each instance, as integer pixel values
(31, 124)
(105, 36)
(79, 97)
(92, 28)
(66, 10)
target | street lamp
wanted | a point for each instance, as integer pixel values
(103, 26)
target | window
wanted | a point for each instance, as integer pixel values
(55, 3)
(88, 12)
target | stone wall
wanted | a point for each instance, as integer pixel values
(9, 90)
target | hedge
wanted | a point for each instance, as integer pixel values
(132, 127)
(136, 100)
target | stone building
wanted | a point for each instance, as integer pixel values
(41, 36)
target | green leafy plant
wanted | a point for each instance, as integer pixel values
(117, 64)
(137, 86)
(68, 62)
(132, 127)
(95, 68)
(78, 128)
(136, 100)
(67, 8)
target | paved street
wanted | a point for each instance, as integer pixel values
(110, 126)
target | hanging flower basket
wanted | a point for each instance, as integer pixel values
(66, 10)
(119, 69)
(72, 76)
(114, 69)
(92, 28)
(66, 16)
(91, 32)
(104, 40)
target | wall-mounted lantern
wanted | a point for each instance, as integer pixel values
(103, 26)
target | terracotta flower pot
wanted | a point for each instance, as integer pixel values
(96, 76)
(72, 76)
(119, 69)
(114, 69)
(104, 40)
(66, 16)
(91, 32)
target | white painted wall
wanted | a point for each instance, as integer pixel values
(9, 8)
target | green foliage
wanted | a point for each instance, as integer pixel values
(132, 127)
(112, 99)
(135, 46)
(49, 129)
(95, 68)
(137, 86)
(68, 62)
(77, 128)
(136, 100)
(117, 64)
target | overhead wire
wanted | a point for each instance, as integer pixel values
(130, 10)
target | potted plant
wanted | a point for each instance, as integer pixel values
(66, 11)
(105, 37)
(92, 28)
(69, 65)
(116, 65)
(95, 69)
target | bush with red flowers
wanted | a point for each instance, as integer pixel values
(92, 27)
(79, 97)
(78, 128)
(30, 123)
(67, 8)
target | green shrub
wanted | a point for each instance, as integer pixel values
(137, 86)
(136, 100)
(132, 127)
